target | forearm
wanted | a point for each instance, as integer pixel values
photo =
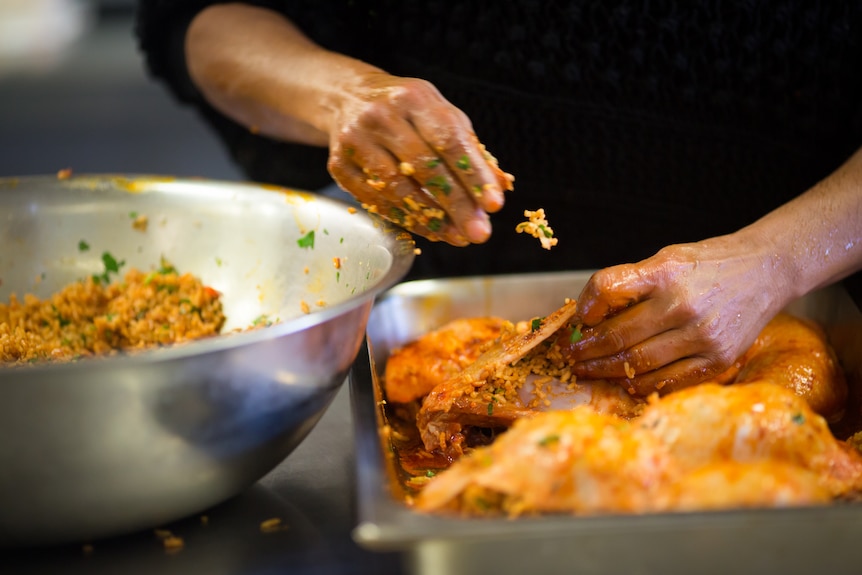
(815, 239)
(257, 68)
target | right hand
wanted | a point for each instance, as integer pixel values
(399, 147)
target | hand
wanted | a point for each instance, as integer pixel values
(677, 318)
(409, 155)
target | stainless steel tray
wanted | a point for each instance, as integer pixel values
(809, 540)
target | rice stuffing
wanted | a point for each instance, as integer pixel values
(545, 361)
(538, 227)
(91, 317)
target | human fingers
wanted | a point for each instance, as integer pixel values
(680, 374)
(420, 161)
(619, 332)
(646, 358)
(372, 175)
(612, 289)
(433, 144)
(448, 132)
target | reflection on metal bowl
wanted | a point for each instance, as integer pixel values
(112, 445)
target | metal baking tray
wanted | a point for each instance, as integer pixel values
(799, 540)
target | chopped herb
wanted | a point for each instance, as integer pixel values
(166, 267)
(463, 163)
(547, 233)
(337, 277)
(133, 215)
(546, 441)
(261, 320)
(434, 224)
(168, 288)
(306, 241)
(798, 418)
(83, 246)
(218, 262)
(433, 163)
(110, 316)
(441, 183)
(536, 323)
(429, 473)
(149, 278)
(576, 335)
(111, 266)
(341, 240)
(491, 406)
(397, 214)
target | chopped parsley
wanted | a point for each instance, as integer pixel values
(441, 183)
(798, 418)
(536, 323)
(165, 267)
(306, 241)
(434, 224)
(397, 214)
(111, 266)
(576, 335)
(262, 320)
(463, 162)
(550, 439)
(83, 246)
(433, 163)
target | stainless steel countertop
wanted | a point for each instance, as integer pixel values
(312, 492)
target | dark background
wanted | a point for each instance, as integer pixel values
(91, 106)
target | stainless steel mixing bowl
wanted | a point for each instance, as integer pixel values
(112, 445)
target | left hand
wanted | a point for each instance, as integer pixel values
(677, 318)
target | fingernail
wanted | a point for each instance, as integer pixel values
(478, 230)
(492, 195)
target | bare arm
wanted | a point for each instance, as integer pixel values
(395, 143)
(688, 312)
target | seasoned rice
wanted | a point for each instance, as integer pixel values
(88, 318)
(545, 361)
(538, 227)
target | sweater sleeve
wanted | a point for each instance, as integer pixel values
(160, 29)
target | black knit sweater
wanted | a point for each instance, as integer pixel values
(634, 123)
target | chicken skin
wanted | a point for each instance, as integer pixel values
(705, 447)
(416, 368)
